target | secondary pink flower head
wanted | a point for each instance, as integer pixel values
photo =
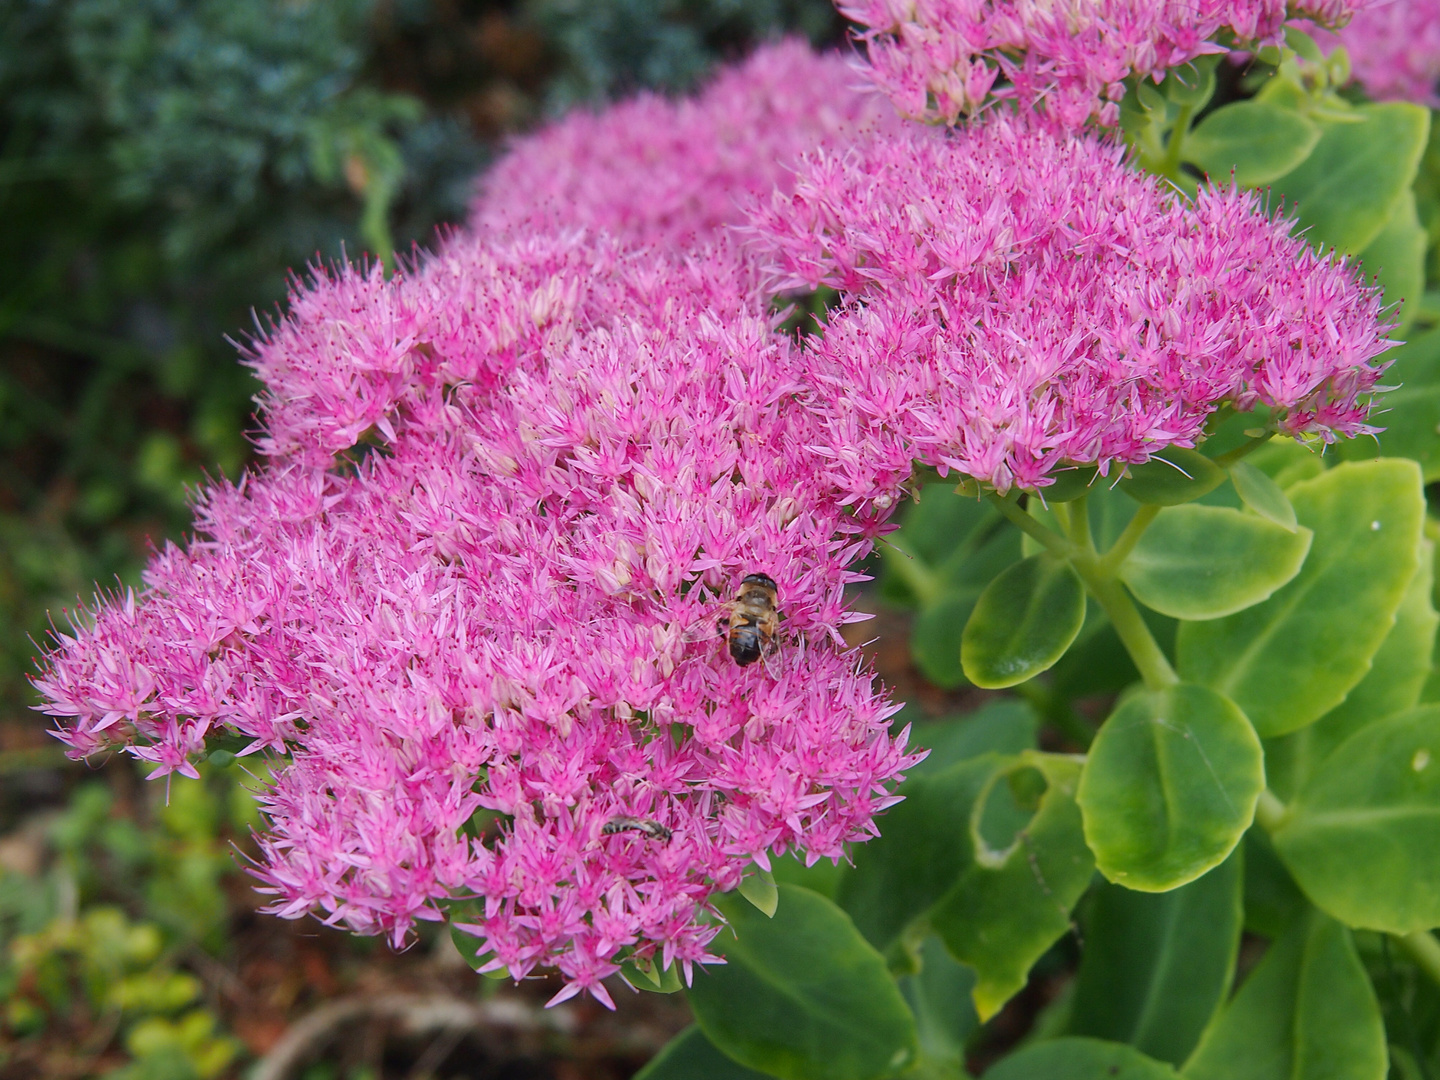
(1395, 50)
(940, 59)
(1018, 302)
(497, 633)
(657, 170)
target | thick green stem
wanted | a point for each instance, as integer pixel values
(1229, 458)
(1170, 166)
(1422, 948)
(1218, 417)
(1110, 564)
(1048, 537)
(1077, 524)
(917, 576)
(1270, 811)
(1149, 658)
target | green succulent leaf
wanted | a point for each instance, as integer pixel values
(1287, 462)
(1023, 622)
(1012, 901)
(1079, 1059)
(1174, 475)
(1272, 899)
(1411, 411)
(1362, 838)
(1204, 562)
(920, 853)
(1192, 84)
(802, 996)
(1397, 676)
(1262, 495)
(944, 555)
(1346, 188)
(649, 976)
(1307, 1012)
(1397, 258)
(822, 876)
(1258, 140)
(990, 854)
(1004, 726)
(935, 638)
(939, 996)
(691, 1056)
(1069, 485)
(1157, 965)
(1170, 786)
(758, 887)
(1292, 658)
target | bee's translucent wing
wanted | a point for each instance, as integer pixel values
(772, 649)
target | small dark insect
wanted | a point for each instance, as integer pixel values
(751, 623)
(653, 829)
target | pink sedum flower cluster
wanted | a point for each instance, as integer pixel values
(941, 59)
(1395, 51)
(1020, 302)
(659, 171)
(509, 609)
(470, 601)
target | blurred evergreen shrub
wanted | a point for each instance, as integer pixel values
(611, 48)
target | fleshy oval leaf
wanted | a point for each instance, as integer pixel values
(691, 1056)
(1173, 476)
(648, 975)
(1362, 838)
(1292, 658)
(1306, 1010)
(1169, 786)
(1004, 911)
(1023, 622)
(1345, 189)
(1263, 495)
(1078, 1058)
(1069, 484)
(758, 886)
(1157, 965)
(802, 996)
(1204, 562)
(1259, 140)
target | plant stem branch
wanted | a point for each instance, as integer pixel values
(1078, 524)
(1170, 166)
(1229, 458)
(1110, 563)
(1049, 537)
(1218, 417)
(1144, 650)
(1270, 811)
(1422, 948)
(918, 577)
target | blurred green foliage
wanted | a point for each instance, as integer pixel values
(611, 48)
(96, 945)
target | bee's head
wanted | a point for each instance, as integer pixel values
(759, 579)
